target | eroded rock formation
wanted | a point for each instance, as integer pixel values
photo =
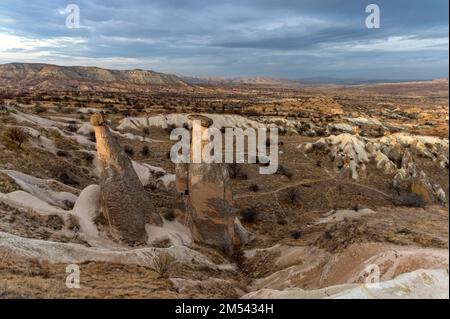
(392, 154)
(204, 201)
(124, 202)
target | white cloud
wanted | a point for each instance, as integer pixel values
(395, 44)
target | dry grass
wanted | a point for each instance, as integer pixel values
(162, 264)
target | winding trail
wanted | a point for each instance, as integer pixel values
(313, 181)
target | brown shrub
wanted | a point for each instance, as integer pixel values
(162, 264)
(17, 135)
(293, 195)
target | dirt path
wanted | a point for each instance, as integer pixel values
(313, 181)
(309, 181)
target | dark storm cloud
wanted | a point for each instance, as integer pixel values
(289, 38)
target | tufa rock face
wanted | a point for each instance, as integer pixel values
(204, 202)
(124, 202)
(211, 210)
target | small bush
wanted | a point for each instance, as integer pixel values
(54, 133)
(40, 109)
(328, 235)
(293, 195)
(73, 224)
(67, 180)
(249, 215)
(237, 171)
(282, 170)
(72, 127)
(17, 135)
(296, 234)
(145, 151)
(129, 150)
(162, 264)
(169, 215)
(238, 255)
(88, 157)
(254, 188)
(62, 153)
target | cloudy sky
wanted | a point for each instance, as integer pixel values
(284, 38)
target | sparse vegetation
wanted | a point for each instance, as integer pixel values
(293, 195)
(282, 170)
(287, 215)
(250, 215)
(169, 215)
(128, 150)
(237, 171)
(296, 234)
(17, 135)
(162, 264)
(145, 151)
(62, 153)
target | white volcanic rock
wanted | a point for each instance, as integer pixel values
(87, 208)
(313, 267)
(340, 127)
(69, 253)
(179, 120)
(172, 231)
(42, 189)
(340, 215)
(85, 129)
(391, 154)
(419, 284)
(24, 200)
(384, 163)
(52, 125)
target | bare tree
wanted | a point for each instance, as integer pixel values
(17, 135)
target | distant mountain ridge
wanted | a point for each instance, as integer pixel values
(40, 75)
(268, 81)
(256, 80)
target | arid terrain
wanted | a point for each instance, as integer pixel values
(361, 190)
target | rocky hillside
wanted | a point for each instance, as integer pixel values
(47, 76)
(257, 80)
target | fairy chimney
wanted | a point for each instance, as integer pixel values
(204, 197)
(125, 204)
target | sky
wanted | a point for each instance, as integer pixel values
(293, 39)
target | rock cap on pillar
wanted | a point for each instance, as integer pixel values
(204, 120)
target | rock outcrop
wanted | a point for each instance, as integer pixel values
(204, 201)
(392, 154)
(124, 202)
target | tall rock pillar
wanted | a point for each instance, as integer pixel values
(204, 197)
(125, 204)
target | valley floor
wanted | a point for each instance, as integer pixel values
(320, 228)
